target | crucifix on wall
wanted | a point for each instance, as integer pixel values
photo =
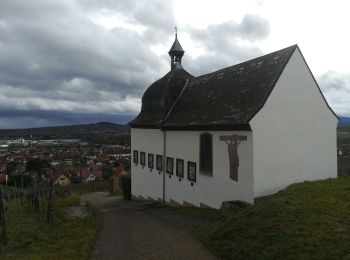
(232, 145)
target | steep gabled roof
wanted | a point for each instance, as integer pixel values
(228, 97)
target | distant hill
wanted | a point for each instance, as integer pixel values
(101, 130)
(344, 124)
(85, 132)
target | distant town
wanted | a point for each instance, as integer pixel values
(65, 160)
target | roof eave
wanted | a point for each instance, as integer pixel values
(207, 127)
(146, 126)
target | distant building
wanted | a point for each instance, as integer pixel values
(238, 133)
(3, 166)
(90, 174)
(61, 179)
(117, 171)
(2, 178)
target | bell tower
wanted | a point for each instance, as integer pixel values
(176, 52)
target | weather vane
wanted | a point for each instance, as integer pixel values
(175, 30)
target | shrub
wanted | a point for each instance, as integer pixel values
(126, 186)
(27, 180)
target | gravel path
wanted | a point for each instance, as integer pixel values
(137, 230)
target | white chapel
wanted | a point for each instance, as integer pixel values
(238, 133)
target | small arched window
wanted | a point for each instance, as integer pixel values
(206, 154)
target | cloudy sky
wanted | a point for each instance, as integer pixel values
(81, 61)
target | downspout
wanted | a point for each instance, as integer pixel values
(164, 161)
(164, 136)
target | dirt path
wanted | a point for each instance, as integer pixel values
(130, 231)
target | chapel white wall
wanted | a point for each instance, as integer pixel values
(145, 182)
(210, 191)
(294, 133)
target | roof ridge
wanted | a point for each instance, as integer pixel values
(241, 63)
(177, 98)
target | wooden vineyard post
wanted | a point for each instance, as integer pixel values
(22, 190)
(3, 230)
(42, 196)
(49, 205)
(16, 190)
(36, 193)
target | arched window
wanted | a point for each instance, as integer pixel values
(206, 154)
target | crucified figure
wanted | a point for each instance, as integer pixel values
(232, 145)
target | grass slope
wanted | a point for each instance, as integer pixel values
(310, 220)
(30, 237)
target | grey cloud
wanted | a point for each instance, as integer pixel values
(53, 57)
(332, 80)
(221, 43)
(55, 41)
(336, 88)
(254, 27)
(210, 62)
(222, 36)
(157, 15)
(64, 55)
(80, 96)
(120, 5)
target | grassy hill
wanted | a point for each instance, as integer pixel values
(310, 220)
(29, 236)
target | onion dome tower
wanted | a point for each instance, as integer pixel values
(162, 94)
